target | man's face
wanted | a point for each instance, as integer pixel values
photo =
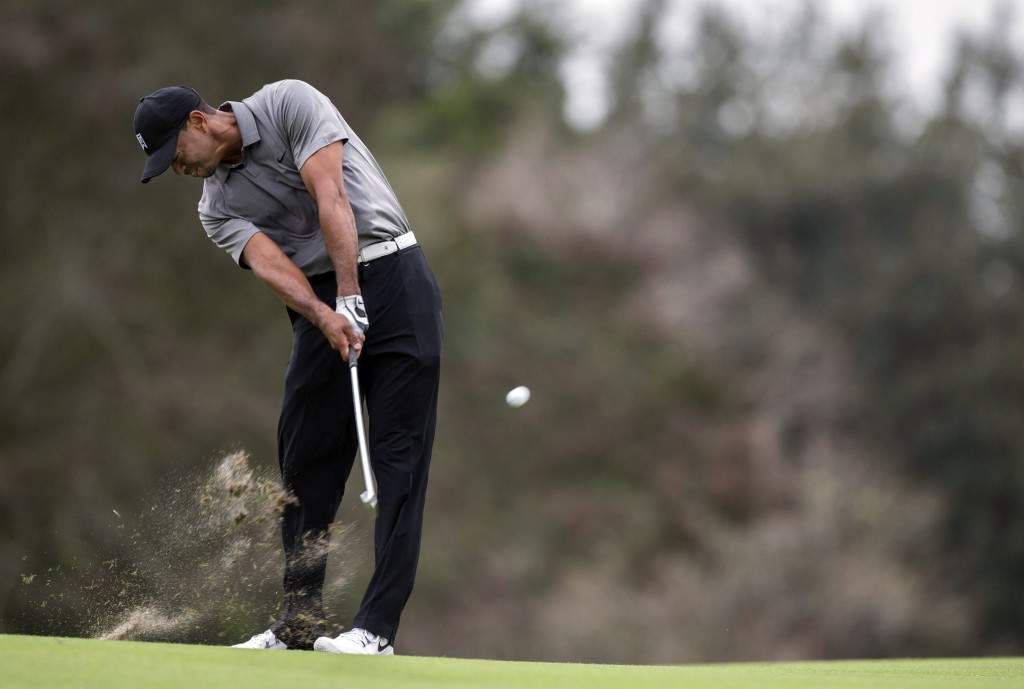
(196, 152)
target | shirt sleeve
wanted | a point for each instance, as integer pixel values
(308, 119)
(230, 234)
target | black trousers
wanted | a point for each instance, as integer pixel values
(399, 371)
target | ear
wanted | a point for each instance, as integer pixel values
(197, 120)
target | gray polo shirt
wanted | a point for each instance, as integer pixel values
(282, 125)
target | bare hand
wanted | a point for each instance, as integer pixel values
(340, 332)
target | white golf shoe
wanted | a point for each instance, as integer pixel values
(356, 642)
(264, 641)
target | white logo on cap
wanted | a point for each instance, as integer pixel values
(142, 142)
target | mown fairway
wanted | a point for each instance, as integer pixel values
(39, 662)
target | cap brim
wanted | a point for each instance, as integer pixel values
(160, 160)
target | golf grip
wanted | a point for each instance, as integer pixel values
(369, 496)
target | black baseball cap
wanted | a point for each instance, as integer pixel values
(158, 119)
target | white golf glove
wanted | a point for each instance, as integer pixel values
(351, 307)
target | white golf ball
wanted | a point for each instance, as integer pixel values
(517, 397)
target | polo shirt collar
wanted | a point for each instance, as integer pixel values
(246, 122)
(246, 127)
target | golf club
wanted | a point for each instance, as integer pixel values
(369, 496)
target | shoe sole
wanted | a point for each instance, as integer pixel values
(324, 644)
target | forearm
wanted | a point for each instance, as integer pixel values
(324, 178)
(277, 271)
(338, 224)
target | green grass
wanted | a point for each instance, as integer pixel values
(42, 662)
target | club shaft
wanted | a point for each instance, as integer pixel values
(370, 496)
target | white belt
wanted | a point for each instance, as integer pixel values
(392, 246)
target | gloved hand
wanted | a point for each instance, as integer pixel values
(351, 307)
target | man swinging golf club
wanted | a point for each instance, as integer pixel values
(291, 193)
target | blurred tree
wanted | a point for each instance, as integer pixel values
(911, 244)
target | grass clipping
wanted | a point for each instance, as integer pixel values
(205, 561)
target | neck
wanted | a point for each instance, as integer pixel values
(230, 137)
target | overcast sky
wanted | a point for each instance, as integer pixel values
(920, 32)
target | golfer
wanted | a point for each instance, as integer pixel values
(292, 194)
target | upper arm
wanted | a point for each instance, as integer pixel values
(322, 174)
(315, 133)
(230, 234)
(308, 120)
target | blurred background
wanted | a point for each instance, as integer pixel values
(760, 263)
